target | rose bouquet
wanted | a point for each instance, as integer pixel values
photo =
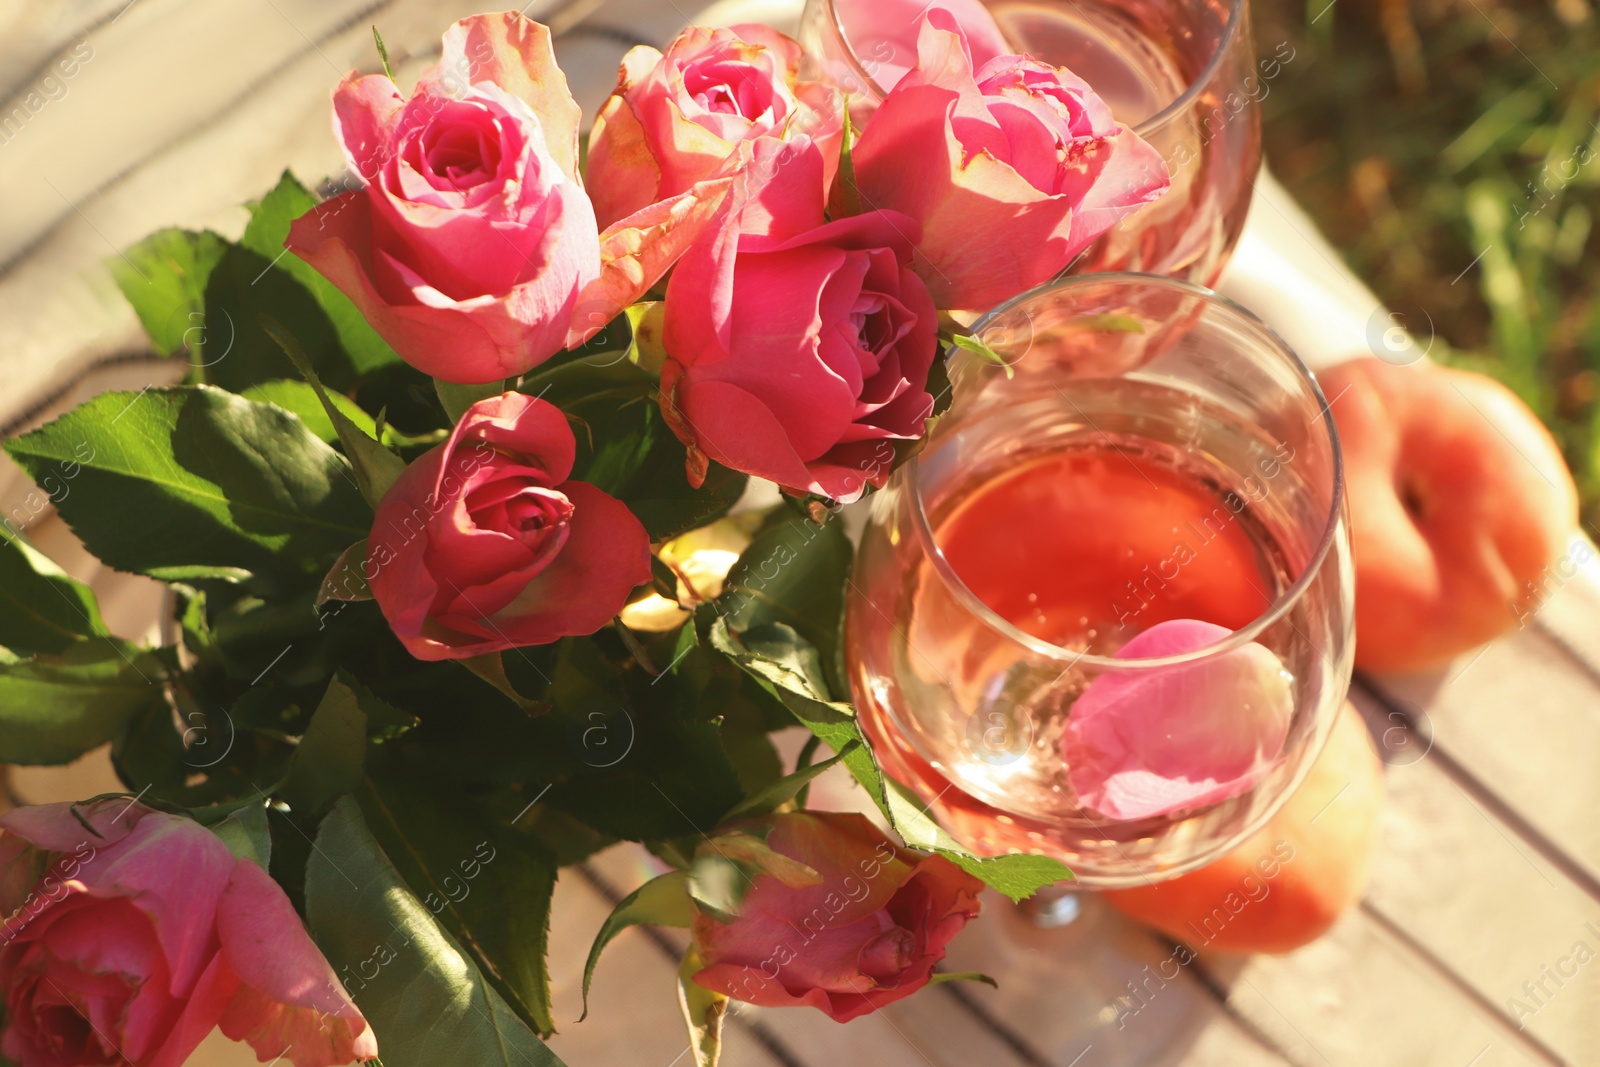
(468, 573)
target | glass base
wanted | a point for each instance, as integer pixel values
(1081, 984)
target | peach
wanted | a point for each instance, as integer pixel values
(1290, 882)
(1459, 503)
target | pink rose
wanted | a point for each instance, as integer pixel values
(866, 932)
(678, 119)
(483, 544)
(1155, 741)
(883, 33)
(470, 245)
(130, 943)
(799, 349)
(1011, 172)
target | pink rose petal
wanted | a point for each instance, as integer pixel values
(1147, 743)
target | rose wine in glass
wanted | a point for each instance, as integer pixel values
(1180, 73)
(1151, 461)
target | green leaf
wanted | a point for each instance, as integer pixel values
(786, 788)
(1017, 876)
(788, 668)
(427, 1001)
(983, 352)
(662, 901)
(489, 886)
(626, 448)
(793, 573)
(674, 780)
(215, 480)
(270, 218)
(377, 469)
(149, 752)
(54, 708)
(725, 867)
(647, 348)
(385, 722)
(331, 757)
(301, 400)
(456, 399)
(164, 277)
(42, 609)
(491, 667)
(244, 830)
(845, 200)
(383, 53)
(347, 579)
(703, 1011)
(963, 976)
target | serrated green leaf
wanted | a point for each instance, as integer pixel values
(270, 218)
(148, 753)
(456, 399)
(216, 481)
(487, 885)
(793, 573)
(244, 830)
(786, 666)
(662, 901)
(346, 580)
(376, 468)
(983, 351)
(427, 1001)
(300, 399)
(54, 708)
(42, 609)
(331, 758)
(491, 667)
(383, 53)
(786, 788)
(164, 278)
(626, 448)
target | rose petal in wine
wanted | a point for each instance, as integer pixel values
(1150, 742)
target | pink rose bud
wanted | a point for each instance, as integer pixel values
(470, 244)
(1154, 741)
(867, 933)
(678, 118)
(799, 349)
(883, 33)
(129, 943)
(483, 544)
(1010, 172)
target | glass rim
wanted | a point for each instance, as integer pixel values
(1178, 105)
(1247, 634)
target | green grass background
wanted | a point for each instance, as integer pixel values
(1449, 149)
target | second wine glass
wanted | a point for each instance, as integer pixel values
(1183, 74)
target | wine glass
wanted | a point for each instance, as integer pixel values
(1149, 460)
(1181, 73)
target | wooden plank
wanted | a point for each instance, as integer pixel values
(32, 34)
(1568, 608)
(1356, 996)
(1065, 992)
(154, 74)
(1469, 892)
(1521, 721)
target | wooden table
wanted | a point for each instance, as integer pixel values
(1486, 891)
